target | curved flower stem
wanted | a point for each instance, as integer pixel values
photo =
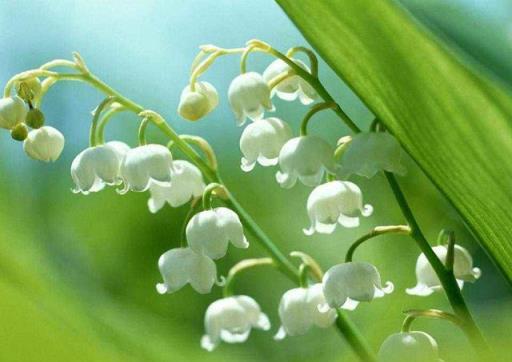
(142, 130)
(344, 324)
(379, 230)
(107, 116)
(240, 266)
(93, 140)
(213, 188)
(315, 109)
(313, 60)
(430, 313)
(192, 210)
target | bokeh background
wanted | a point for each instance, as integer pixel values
(77, 273)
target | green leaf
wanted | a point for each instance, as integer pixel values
(455, 123)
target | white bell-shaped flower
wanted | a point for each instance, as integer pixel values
(97, 166)
(181, 266)
(144, 164)
(298, 311)
(428, 282)
(231, 320)
(12, 111)
(371, 152)
(198, 103)
(249, 96)
(262, 141)
(335, 202)
(347, 284)
(209, 232)
(409, 346)
(292, 87)
(44, 144)
(306, 158)
(186, 182)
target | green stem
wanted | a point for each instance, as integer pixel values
(241, 266)
(208, 194)
(429, 313)
(357, 341)
(93, 141)
(446, 277)
(142, 130)
(315, 109)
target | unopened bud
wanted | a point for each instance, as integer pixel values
(35, 118)
(19, 132)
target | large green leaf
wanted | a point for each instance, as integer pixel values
(455, 123)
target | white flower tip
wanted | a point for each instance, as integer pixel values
(285, 180)
(420, 290)
(246, 166)
(221, 281)
(263, 322)
(280, 335)
(309, 231)
(476, 272)
(162, 288)
(123, 190)
(388, 287)
(367, 210)
(324, 308)
(207, 344)
(350, 304)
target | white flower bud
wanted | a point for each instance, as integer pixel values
(231, 320)
(262, 141)
(298, 311)
(186, 182)
(428, 282)
(144, 164)
(292, 87)
(335, 202)
(347, 284)
(12, 112)
(44, 144)
(181, 266)
(197, 104)
(306, 158)
(95, 167)
(371, 152)
(249, 96)
(209, 232)
(406, 345)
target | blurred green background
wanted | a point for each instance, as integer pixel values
(77, 273)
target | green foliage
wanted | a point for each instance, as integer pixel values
(453, 122)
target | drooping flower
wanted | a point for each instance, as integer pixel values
(198, 103)
(262, 141)
(209, 232)
(231, 320)
(371, 152)
(347, 284)
(249, 96)
(145, 164)
(428, 282)
(12, 112)
(335, 202)
(186, 182)
(44, 144)
(293, 87)
(408, 346)
(298, 311)
(181, 266)
(97, 166)
(306, 158)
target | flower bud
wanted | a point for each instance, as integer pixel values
(28, 89)
(12, 112)
(19, 132)
(249, 96)
(231, 320)
(408, 346)
(35, 118)
(306, 158)
(209, 232)
(44, 144)
(298, 311)
(197, 104)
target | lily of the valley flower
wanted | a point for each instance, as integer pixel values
(408, 346)
(298, 311)
(12, 112)
(306, 158)
(262, 141)
(249, 96)
(198, 103)
(335, 202)
(231, 320)
(98, 166)
(428, 282)
(144, 164)
(44, 144)
(186, 182)
(181, 266)
(293, 87)
(371, 152)
(209, 232)
(347, 284)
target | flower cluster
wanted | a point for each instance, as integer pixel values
(267, 141)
